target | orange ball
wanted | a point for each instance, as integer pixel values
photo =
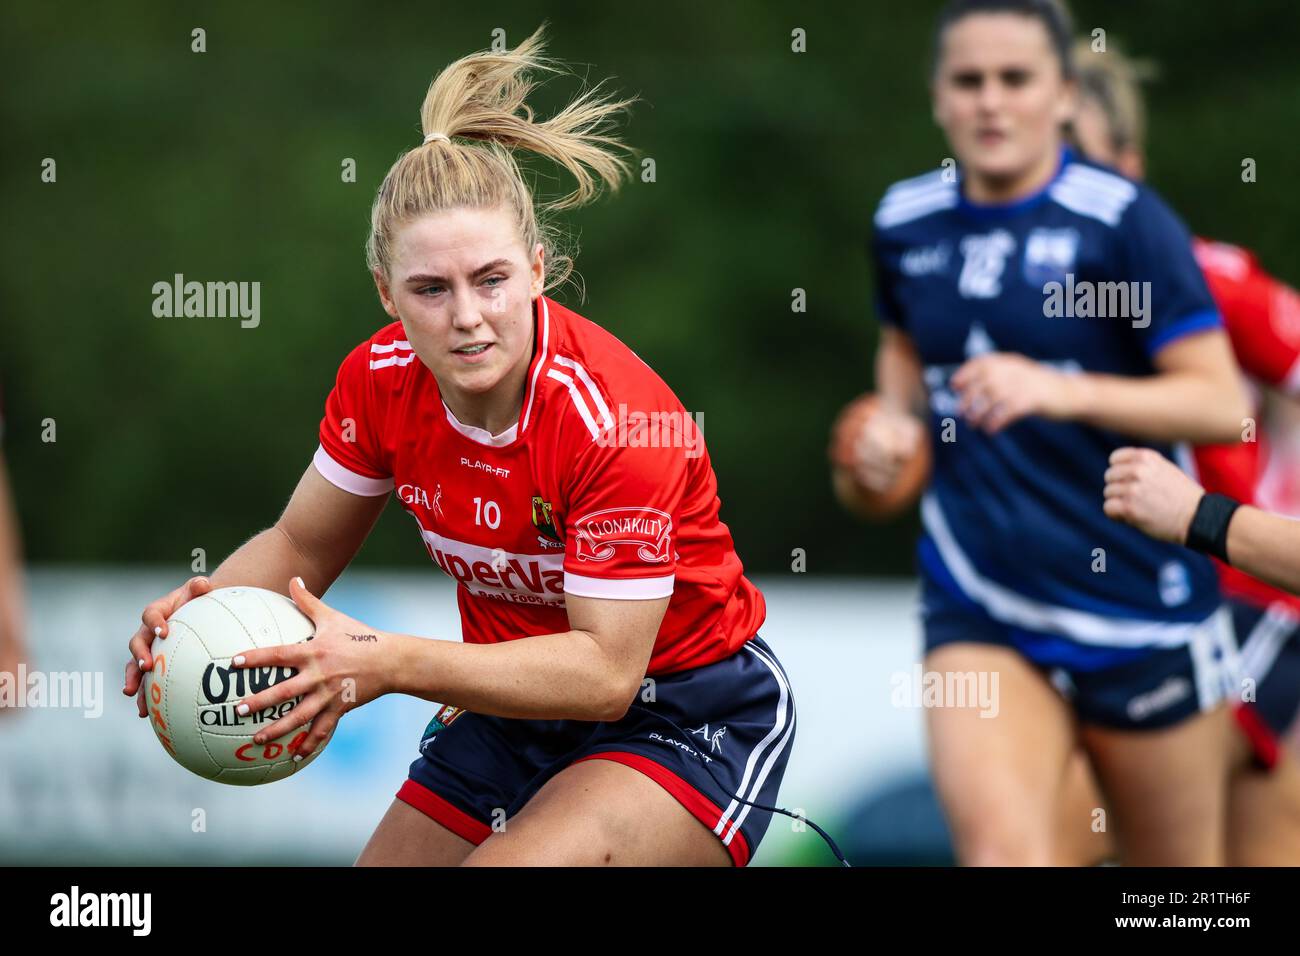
(869, 503)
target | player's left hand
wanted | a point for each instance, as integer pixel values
(1000, 388)
(1147, 490)
(339, 669)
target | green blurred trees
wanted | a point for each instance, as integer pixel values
(180, 433)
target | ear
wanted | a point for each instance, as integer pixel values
(1067, 107)
(537, 281)
(385, 297)
(1131, 163)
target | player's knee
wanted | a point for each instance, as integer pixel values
(1005, 848)
(1002, 836)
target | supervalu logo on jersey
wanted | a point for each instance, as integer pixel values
(648, 530)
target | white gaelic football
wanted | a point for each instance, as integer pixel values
(192, 690)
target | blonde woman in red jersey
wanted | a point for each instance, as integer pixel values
(611, 701)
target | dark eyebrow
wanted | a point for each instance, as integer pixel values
(423, 278)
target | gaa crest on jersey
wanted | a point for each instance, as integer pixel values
(413, 495)
(985, 259)
(1050, 254)
(544, 518)
(645, 531)
(441, 720)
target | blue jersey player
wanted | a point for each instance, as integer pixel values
(1038, 312)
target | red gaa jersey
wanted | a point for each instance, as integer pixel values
(1261, 314)
(1262, 318)
(602, 489)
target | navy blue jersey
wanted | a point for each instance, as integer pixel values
(1092, 273)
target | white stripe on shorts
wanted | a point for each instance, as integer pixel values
(784, 705)
(1259, 649)
(1216, 664)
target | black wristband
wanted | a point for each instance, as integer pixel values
(1209, 530)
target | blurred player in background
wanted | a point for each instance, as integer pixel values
(1262, 317)
(1279, 485)
(12, 644)
(611, 702)
(1099, 636)
(1151, 494)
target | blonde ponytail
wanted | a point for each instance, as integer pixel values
(1114, 82)
(476, 119)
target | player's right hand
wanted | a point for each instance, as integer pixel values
(874, 442)
(154, 624)
(1147, 490)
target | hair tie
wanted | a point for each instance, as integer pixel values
(442, 136)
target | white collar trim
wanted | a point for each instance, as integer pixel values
(481, 435)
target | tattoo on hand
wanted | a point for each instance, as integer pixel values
(364, 637)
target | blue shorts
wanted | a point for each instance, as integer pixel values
(1270, 657)
(737, 724)
(1122, 688)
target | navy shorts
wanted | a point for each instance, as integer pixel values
(1269, 638)
(1121, 688)
(736, 718)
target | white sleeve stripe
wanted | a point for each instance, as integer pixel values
(347, 479)
(591, 387)
(583, 410)
(895, 215)
(1114, 186)
(619, 589)
(398, 344)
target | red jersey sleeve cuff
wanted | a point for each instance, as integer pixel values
(347, 479)
(619, 589)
